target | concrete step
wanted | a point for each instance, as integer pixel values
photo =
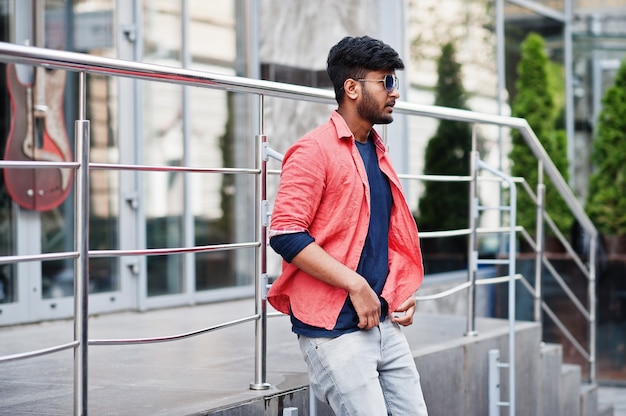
(561, 391)
(588, 399)
(570, 390)
(551, 360)
(289, 402)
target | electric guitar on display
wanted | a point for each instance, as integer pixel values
(37, 133)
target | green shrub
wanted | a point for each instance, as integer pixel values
(535, 101)
(606, 202)
(445, 205)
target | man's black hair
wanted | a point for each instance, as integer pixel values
(353, 57)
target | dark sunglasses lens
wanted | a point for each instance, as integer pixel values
(390, 82)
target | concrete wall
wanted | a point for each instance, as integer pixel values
(454, 370)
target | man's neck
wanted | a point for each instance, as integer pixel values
(360, 128)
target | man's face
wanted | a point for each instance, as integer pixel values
(376, 103)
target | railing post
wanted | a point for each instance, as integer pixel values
(261, 259)
(495, 397)
(81, 263)
(472, 254)
(539, 240)
(593, 372)
(512, 208)
(512, 295)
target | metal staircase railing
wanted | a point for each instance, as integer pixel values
(83, 64)
(477, 165)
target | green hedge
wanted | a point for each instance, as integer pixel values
(445, 205)
(606, 202)
(535, 102)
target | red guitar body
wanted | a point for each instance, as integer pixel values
(37, 134)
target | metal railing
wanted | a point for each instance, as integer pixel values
(87, 64)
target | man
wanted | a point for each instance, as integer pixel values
(350, 244)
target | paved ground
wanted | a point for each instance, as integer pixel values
(172, 378)
(184, 377)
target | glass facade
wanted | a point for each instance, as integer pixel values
(171, 126)
(187, 126)
(8, 279)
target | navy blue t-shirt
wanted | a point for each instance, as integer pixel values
(373, 264)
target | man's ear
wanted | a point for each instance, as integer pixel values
(351, 88)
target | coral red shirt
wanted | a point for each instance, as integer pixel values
(324, 190)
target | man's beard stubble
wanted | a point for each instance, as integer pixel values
(369, 110)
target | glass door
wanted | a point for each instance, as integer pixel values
(87, 27)
(34, 291)
(8, 274)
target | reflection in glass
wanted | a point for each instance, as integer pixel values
(8, 279)
(163, 191)
(212, 195)
(57, 225)
(165, 276)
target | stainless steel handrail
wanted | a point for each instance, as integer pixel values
(40, 352)
(140, 252)
(182, 169)
(73, 61)
(169, 338)
(529, 136)
(172, 250)
(38, 257)
(84, 64)
(11, 164)
(79, 62)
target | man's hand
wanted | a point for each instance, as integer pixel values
(408, 308)
(319, 264)
(366, 304)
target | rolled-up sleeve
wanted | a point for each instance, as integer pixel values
(300, 191)
(289, 245)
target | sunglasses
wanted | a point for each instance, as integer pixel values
(391, 82)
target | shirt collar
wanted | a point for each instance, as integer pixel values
(343, 131)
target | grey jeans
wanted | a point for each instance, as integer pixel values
(365, 372)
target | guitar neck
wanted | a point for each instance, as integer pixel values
(39, 36)
(40, 107)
